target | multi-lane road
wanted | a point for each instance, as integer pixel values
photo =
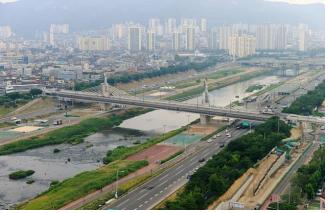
(158, 188)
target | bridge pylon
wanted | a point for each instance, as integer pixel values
(105, 91)
(204, 119)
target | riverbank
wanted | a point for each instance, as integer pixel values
(71, 134)
(217, 84)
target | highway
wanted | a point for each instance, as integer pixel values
(177, 106)
(158, 188)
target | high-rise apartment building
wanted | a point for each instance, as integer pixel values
(134, 39)
(176, 41)
(203, 25)
(170, 25)
(190, 38)
(242, 46)
(93, 43)
(151, 41)
(303, 38)
(119, 30)
(213, 39)
(271, 37)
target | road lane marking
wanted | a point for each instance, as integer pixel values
(123, 202)
(142, 196)
(162, 183)
(179, 167)
(163, 177)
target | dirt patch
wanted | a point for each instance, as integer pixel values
(201, 129)
(155, 153)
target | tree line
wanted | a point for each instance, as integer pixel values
(306, 104)
(15, 98)
(172, 69)
(218, 174)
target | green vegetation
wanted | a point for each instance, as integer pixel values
(122, 152)
(213, 86)
(54, 182)
(306, 182)
(20, 174)
(80, 185)
(224, 73)
(71, 134)
(254, 87)
(306, 104)
(218, 174)
(172, 156)
(56, 150)
(123, 188)
(126, 78)
(14, 99)
(30, 181)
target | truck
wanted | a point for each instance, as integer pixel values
(57, 122)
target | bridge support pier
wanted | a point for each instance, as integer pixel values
(204, 119)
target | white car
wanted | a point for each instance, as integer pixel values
(209, 141)
(229, 135)
(218, 135)
(214, 137)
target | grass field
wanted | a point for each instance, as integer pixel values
(80, 185)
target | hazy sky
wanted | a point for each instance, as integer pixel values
(288, 1)
(302, 1)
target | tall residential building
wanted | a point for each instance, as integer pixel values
(170, 25)
(134, 39)
(155, 26)
(188, 22)
(119, 30)
(213, 39)
(57, 29)
(224, 33)
(176, 41)
(242, 46)
(303, 38)
(203, 25)
(93, 43)
(5, 31)
(271, 36)
(190, 38)
(151, 41)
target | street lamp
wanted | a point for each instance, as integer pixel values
(116, 188)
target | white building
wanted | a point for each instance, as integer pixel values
(93, 43)
(271, 37)
(190, 38)
(176, 41)
(242, 46)
(303, 38)
(203, 25)
(151, 41)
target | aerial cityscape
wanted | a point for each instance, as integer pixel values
(162, 105)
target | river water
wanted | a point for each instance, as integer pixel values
(164, 120)
(49, 166)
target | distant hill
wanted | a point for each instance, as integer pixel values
(27, 16)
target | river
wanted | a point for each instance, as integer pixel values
(49, 166)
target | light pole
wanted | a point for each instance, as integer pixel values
(116, 188)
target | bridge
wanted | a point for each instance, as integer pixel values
(205, 110)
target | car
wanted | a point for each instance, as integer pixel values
(222, 145)
(209, 141)
(229, 135)
(201, 160)
(218, 135)
(188, 177)
(214, 137)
